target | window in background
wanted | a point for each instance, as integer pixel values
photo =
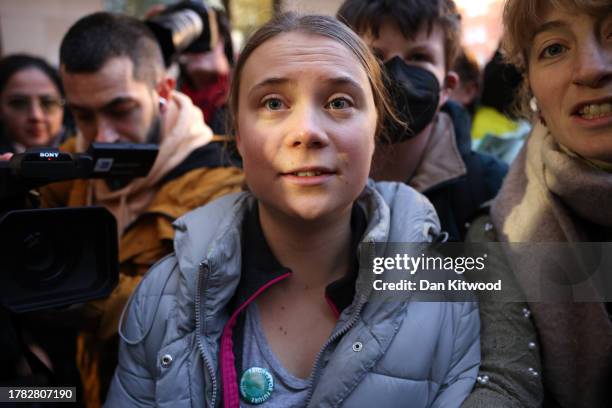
(482, 27)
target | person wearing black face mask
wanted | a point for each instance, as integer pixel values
(415, 93)
(417, 41)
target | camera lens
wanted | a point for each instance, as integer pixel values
(40, 260)
(56, 257)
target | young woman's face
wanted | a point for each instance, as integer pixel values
(31, 108)
(306, 124)
(570, 74)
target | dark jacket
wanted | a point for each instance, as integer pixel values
(458, 200)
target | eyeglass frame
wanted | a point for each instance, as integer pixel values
(48, 104)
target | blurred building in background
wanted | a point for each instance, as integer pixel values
(482, 22)
(482, 27)
(36, 26)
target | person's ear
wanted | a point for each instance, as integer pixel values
(164, 89)
(451, 81)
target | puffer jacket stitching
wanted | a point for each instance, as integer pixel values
(369, 368)
(423, 217)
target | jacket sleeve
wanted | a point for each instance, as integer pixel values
(463, 369)
(494, 171)
(133, 384)
(510, 358)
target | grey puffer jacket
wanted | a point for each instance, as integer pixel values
(417, 354)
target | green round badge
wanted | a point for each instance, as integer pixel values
(256, 385)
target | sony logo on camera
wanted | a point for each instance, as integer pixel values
(48, 154)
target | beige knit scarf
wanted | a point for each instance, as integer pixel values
(545, 198)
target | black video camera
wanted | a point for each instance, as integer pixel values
(55, 257)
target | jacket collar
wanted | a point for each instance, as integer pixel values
(261, 266)
(202, 249)
(441, 161)
(209, 253)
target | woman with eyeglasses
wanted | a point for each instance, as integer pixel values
(31, 104)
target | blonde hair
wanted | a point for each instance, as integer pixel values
(522, 18)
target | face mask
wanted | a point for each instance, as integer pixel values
(415, 93)
(211, 96)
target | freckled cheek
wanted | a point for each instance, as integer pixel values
(259, 139)
(547, 92)
(360, 143)
(258, 153)
(356, 159)
(264, 136)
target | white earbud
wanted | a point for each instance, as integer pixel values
(162, 102)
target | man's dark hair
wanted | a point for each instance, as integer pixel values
(467, 68)
(95, 39)
(367, 16)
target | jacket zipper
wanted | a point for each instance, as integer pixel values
(204, 271)
(334, 337)
(329, 341)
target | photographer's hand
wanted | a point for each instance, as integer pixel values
(6, 156)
